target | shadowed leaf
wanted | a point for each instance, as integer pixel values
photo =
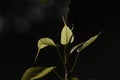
(36, 73)
(87, 43)
(74, 78)
(75, 47)
(43, 1)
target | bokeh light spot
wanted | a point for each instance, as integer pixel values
(21, 25)
(36, 14)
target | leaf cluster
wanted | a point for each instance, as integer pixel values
(67, 38)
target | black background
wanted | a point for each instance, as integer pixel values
(100, 61)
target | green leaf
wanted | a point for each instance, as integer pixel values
(29, 73)
(42, 43)
(36, 73)
(66, 35)
(74, 78)
(87, 43)
(75, 47)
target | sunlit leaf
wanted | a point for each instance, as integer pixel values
(66, 34)
(36, 73)
(75, 78)
(87, 43)
(44, 42)
(75, 47)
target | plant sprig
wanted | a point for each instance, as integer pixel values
(66, 39)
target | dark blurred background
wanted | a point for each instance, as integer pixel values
(23, 22)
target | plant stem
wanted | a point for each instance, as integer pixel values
(65, 55)
(60, 56)
(66, 74)
(36, 56)
(63, 61)
(74, 64)
(66, 64)
(58, 75)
